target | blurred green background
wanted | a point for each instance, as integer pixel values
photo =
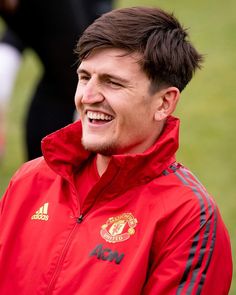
(207, 108)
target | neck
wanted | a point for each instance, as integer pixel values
(102, 163)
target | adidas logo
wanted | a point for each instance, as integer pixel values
(42, 213)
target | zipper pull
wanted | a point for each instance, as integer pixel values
(80, 218)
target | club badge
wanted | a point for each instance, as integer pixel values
(119, 228)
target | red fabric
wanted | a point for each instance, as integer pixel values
(86, 178)
(148, 227)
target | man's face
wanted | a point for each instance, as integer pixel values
(115, 104)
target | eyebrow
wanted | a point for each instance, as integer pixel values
(104, 76)
(81, 71)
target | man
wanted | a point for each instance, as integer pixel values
(108, 210)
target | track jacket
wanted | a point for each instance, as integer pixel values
(148, 226)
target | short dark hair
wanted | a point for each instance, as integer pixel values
(168, 58)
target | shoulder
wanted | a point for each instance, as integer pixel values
(185, 188)
(31, 178)
(33, 168)
(184, 199)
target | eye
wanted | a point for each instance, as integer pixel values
(114, 84)
(83, 78)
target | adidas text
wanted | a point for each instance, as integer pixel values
(40, 216)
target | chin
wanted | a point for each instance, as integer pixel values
(106, 149)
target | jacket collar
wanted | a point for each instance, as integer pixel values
(64, 153)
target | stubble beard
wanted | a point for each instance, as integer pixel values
(105, 149)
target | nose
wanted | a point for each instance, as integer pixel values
(92, 92)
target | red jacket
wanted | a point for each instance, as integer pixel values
(147, 227)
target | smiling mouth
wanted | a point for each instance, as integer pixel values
(98, 117)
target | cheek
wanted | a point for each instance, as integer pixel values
(130, 122)
(138, 119)
(77, 97)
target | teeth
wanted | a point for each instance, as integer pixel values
(98, 116)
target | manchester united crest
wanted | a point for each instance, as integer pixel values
(119, 228)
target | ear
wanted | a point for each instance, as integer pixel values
(166, 102)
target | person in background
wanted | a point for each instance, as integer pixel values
(108, 209)
(51, 29)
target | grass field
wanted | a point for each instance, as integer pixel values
(207, 108)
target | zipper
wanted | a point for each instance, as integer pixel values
(79, 220)
(64, 250)
(61, 259)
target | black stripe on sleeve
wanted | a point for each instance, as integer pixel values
(189, 180)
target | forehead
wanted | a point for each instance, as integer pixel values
(112, 60)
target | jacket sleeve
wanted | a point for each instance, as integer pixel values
(191, 249)
(19, 173)
(3, 198)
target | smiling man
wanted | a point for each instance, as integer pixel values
(119, 112)
(108, 209)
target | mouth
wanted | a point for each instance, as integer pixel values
(98, 117)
